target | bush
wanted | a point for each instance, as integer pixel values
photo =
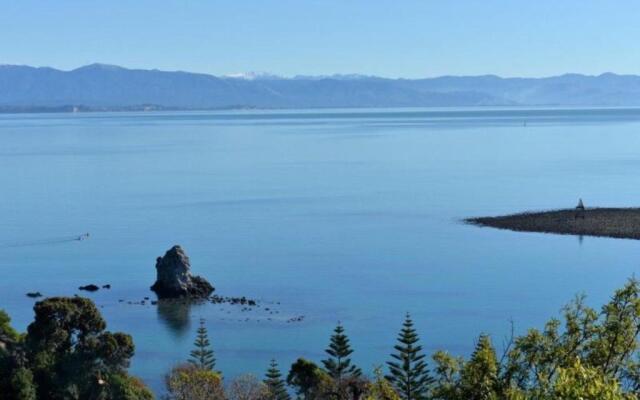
(188, 382)
(124, 387)
(67, 354)
(247, 387)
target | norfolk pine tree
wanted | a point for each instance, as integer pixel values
(202, 356)
(275, 383)
(408, 372)
(338, 365)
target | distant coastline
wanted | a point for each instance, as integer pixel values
(522, 115)
(70, 109)
(100, 87)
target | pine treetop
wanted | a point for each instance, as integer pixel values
(480, 374)
(273, 372)
(409, 374)
(202, 356)
(338, 365)
(275, 384)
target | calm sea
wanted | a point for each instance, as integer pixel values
(336, 215)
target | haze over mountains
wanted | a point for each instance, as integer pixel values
(107, 87)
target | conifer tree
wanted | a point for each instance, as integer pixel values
(338, 365)
(408, 373)
(479, 376)
(275, 383)
(202, 356)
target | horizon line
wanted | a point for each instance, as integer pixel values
(267, 75)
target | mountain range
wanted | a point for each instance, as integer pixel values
(108, 87)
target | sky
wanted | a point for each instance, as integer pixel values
(399, 38)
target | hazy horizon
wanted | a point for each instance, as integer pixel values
(302, 74)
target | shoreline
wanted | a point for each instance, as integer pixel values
(618, 223)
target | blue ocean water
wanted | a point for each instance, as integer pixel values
(336, 215)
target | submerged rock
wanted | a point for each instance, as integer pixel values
(174, 277)
(90, 288)
(34, 295)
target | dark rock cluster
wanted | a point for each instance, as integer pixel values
(233, 300)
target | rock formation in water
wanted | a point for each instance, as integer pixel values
(174, 277)
(89, 288)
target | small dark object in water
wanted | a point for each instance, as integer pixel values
(34, 295)
(89, 288)
(107, 286)
(295, 319)
(154, 302)
(82, 237)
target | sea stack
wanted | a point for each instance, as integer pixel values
(174, 277)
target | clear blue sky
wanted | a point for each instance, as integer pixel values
(399, 38)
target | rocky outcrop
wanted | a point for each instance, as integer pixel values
(174, 277)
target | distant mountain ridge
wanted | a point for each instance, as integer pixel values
(110, 87)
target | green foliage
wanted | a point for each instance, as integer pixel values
(309, 381)
(303, 377)
(614, 339)
(579, 382)
(479, 376)
(408, 373)
(124, 387)
(202, 356)
(604, 341)
(447, 370)
(22, 386)
(6, 330)
(275, 384)
(188, 382)
(338, 365)
(67, 354)
(69, 350)
(380, 388)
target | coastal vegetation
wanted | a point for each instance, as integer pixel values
(67, 353)
(588, 354)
